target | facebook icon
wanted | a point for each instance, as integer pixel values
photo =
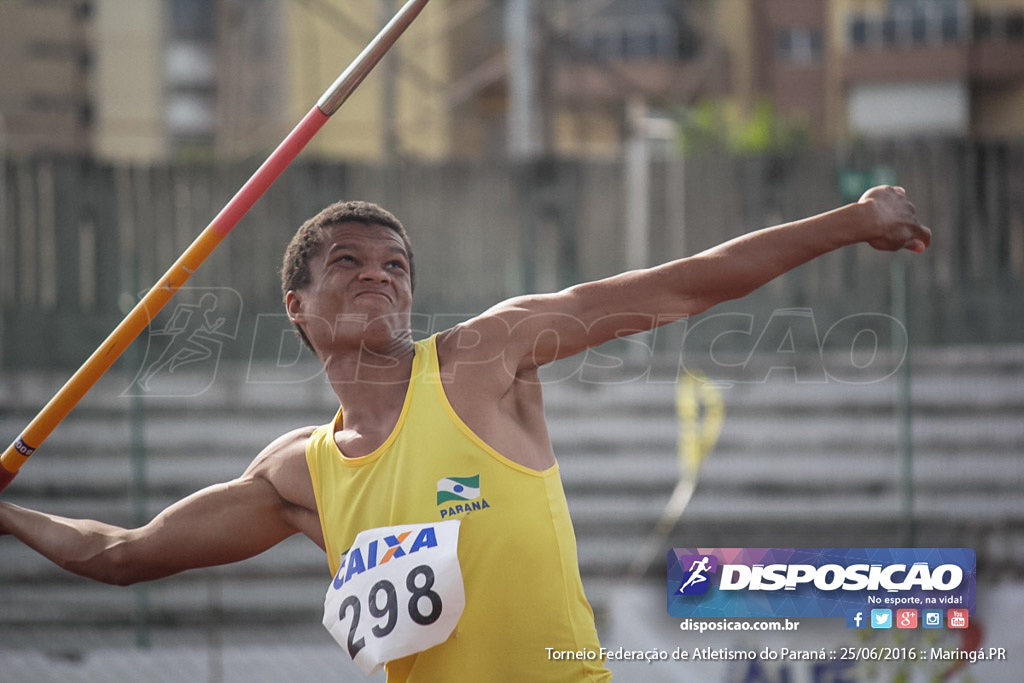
(856, 619)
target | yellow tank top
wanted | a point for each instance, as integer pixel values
(525, 606)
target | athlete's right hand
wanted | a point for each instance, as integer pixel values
(894, 220)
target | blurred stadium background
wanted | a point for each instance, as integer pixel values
(868, 400)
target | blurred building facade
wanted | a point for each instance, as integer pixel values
(150, 80)
(45, 98)
(839, 69)
(886, 68)
(158, 80)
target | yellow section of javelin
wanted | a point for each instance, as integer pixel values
(109, 351)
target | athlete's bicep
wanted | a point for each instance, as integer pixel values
(231, 521)
(543, 328)
(217, 525)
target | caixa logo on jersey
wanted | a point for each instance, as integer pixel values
(375, 550)
(816, 582)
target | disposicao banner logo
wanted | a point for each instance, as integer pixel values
(817, 582)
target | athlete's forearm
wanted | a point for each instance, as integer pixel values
(882, 218)
(217, 525)
(742, 265)
(84, 547)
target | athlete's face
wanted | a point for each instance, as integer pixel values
(360, 282)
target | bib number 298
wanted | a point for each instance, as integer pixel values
(423, 606)
(398, 591)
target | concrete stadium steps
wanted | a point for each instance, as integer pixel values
(796, 463)
(804, 463)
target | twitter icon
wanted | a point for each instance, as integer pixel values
(881, 618)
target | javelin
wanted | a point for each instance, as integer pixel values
(100, 361)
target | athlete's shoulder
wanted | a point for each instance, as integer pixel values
(283, 464)
(288, 445)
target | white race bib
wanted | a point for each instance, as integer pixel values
(398, 591)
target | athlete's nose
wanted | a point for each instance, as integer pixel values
(374, 273)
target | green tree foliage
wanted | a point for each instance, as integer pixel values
(716, 126)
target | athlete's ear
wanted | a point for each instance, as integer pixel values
(293, 304)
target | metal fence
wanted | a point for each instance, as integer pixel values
(79, 240)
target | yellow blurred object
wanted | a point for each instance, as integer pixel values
(701, 410)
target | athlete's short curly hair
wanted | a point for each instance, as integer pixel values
(308, 241)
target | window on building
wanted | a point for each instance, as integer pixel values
(858, 28)
(912, 23)
(984, 26)
(193, 19)
(799, 45)
(949, 26)
(920, 31)
(1015, 27)
(890, 31)
(636, 37)
(999, 26)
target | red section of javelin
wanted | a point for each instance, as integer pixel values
(267, 173)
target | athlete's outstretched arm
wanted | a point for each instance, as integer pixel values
(534, 330)
(217, 525)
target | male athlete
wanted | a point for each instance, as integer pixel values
(459, 414)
